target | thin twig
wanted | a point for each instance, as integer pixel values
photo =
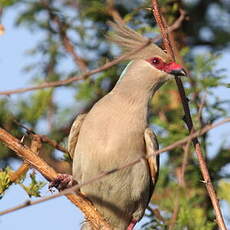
(97, 70)
(69, 45)
(76, 78)
(188, 120)
(184, 162)
(200, 108)
(44, 138)
(62, 32)
(53, 143)
(163, 28)
(176, 210)
(75, 188)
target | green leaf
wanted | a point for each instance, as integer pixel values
(34, 188)
(223, 190)
(4, 181)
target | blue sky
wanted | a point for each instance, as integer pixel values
(58, 213)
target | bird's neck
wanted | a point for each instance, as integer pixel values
(133, 102)
(133, 96)
(135, 90)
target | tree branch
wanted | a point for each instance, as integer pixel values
(43, 138)
(188, 119)
(69, 191)
(67, 43)
(97, 70)
(49, 173)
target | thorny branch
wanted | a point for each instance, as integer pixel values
(188, 120)
(69, 192)
(97, 70)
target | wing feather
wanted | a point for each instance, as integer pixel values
(74, 133)
(151, 147)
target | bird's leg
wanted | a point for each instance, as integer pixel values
(62, 181)
(132, 224)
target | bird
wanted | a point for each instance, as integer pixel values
(115, 132)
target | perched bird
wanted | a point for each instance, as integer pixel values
(115, 132)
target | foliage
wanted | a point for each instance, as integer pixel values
(33, 189)
(85, 23)
(4, 181)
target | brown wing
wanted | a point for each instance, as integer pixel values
(153, 161)
(74, 132)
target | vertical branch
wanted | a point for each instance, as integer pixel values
(184, 162)
(188, 119)
(163, 28)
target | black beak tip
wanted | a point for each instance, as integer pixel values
(178, 72)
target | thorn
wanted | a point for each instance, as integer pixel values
(205, 182)
(22, 139)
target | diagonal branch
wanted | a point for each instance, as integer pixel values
(49, 173)
(43, 138)
(67, 43)
(188, 119)
(108, 65)
(99, 176)
(62, 32)
(80, 77)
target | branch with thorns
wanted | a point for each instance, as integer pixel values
(168, 44)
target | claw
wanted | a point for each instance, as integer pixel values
(62, 182)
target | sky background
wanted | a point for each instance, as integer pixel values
(58, 213)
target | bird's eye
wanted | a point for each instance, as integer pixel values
(155, 61)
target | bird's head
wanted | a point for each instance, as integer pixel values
(154, 63)
(171, 68)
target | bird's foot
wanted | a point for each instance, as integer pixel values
(132, 224)
(61, 182)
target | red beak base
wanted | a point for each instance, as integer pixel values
(175, 69)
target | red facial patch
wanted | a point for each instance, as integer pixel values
(169, 67)
(166, 67)
(157, 63)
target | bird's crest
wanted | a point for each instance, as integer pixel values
(130, 40)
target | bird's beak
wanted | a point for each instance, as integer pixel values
(175, 69)
(178, 72)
